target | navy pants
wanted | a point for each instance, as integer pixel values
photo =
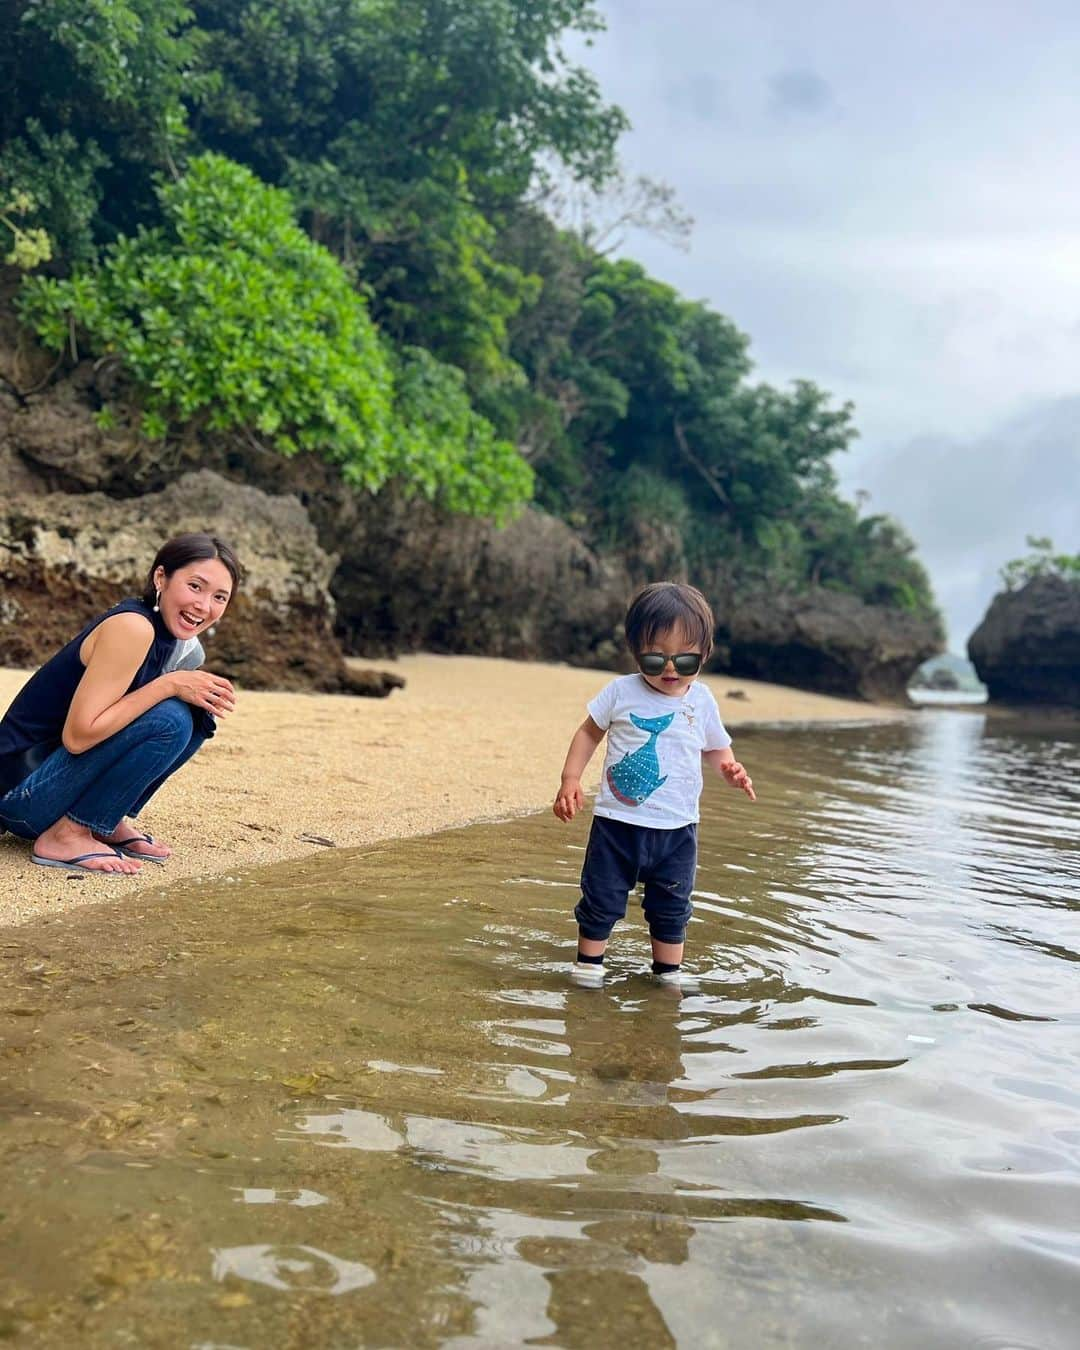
(111, 780)
(618, 856)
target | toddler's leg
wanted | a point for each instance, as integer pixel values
(669, 882)
(588, 970)
(608, 876)
(667, 955)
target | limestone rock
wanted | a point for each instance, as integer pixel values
(824, 640)
(408, 576)
(65, 557)
(413, 577)
(1027, 648)
(372, 683)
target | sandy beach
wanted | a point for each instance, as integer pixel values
(469, 738)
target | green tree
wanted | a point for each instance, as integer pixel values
(403, 130)
(1042, 561)
(643, 427)
(91, 105)
(428, 317)
(229, 313)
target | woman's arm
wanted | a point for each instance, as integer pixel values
(113, 653)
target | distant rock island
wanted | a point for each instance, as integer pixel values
(945, 674)
(1027, 648)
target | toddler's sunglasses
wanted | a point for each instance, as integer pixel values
(655, 663)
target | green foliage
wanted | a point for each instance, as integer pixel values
(640, 495)
(230, 313)
(429, 321)
(1042, 561)
(57, 174)
(92, 107)
(870, 555)
(229, 310)
(30, 245)
(402, 87)
(448, 291)
(403, 129)
(445, 450)
(639, 419)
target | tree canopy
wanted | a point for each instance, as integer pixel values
(322, 224)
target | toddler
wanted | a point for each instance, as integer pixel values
(659, 724)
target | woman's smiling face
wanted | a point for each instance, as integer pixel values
(194, 596)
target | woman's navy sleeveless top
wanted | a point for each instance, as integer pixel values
(32, 726)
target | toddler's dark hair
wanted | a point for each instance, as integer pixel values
(664, 605)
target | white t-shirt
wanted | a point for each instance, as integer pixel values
(188, 654)
(652, 761)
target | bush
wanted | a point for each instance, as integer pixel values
(230, 314)
(1042, 561)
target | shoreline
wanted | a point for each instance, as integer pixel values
(469, 738)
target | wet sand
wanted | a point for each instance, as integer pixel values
(288, 775)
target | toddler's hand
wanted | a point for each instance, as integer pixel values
(569, 799)
(737, 776)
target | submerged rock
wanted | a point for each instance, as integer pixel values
(825, 640)
(1027, 648)
(65, 557)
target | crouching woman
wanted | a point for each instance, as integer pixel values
(113, 714)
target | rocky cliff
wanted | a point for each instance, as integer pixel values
(86, 506)
(825, 640)
(1027, 648)
(401, 574)
(66, 557)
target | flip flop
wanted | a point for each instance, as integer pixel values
(76, 864)
(128, 852)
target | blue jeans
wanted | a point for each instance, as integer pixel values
(113, 779)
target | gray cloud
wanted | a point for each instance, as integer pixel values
(700, 95)
(881, 204)
(971, 505)
(799, 91)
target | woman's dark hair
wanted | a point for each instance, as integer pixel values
(189, 548)
(663, 606)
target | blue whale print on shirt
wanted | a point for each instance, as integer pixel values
(637, 775)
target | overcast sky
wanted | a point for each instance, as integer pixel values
(886, 199)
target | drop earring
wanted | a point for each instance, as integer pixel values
(157, 602)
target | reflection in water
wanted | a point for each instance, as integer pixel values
(291, 1268)
(863, 1131)
(259, 1195)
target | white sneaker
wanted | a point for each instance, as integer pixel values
(680, 980)
(587, 975)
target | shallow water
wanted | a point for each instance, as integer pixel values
(947, 698)
(352, 1102)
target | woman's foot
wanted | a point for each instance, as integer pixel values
(66, 841)
(135, 844)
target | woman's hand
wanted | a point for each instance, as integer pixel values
(569, 799)
(203, 690)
